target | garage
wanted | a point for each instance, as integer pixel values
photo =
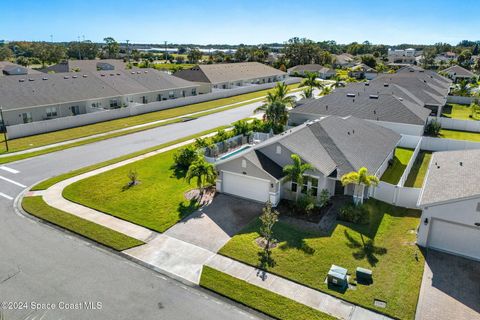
(454, 238)
(245, 186)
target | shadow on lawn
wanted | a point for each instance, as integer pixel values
(186, 209)
(365, 249)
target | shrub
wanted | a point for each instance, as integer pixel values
(183, 158)
(324, 198)
(305, 204)
(433, 128)
(354, 213)
(133, 178)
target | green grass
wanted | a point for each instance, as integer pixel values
(107, 126)
(459, 135)
(400, 161)
(306, 257)
(157, 203)
(258, 298)
(50, 182)
(108, 237)
(458, 111)
(419, 169)
(168, 66)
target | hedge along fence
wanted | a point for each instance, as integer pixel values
(37, 127)
(456, 124)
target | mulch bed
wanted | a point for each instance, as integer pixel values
(287, 207)
(206, 199)
(262, 243)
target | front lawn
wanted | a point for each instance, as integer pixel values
(458, 111)
(306, 257)
(419, 169)
(395, 171)
(459, 135)
(157, 202)
(37, 207)
(258, 298)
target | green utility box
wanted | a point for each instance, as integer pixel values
(364, 275)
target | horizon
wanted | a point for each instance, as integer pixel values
(317, 21)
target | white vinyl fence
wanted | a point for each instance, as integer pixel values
(456, 124)
(396, 195)
(28, 129)
(439, 144)
(459, 99)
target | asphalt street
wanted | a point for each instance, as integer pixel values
(43, 268)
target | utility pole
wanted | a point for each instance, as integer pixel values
(79, 54)
(128, 52)
(166, 53)
(4, 129)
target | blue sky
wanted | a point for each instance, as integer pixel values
(242, 21)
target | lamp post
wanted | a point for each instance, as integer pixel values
(4, 129)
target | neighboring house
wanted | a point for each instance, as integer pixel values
(450, 203)
(400, 56)
(362, 71)
(332, 145)
(86, 66)
(28, 98)
(389, 105)
(9, 69)
(231, 75)
(321, 71)
(459, 73)
(344, 60)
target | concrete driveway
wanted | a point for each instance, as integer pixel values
(211, 227)
(450, 288)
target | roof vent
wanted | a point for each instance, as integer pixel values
(118, 74)
(138, 72)
(367, 83)
(21, 80)
(373, 96)
(112, 74)
(374, 111)
(351, 95)
(385, 84)
(425, 81)
(66, 77)
(461, 164)
(146, 71)
(133, 72)
(326, 107)
(348, 132)
(44, 78)
(30, 79)
(102, 75)
(85, 75)
(74, 77)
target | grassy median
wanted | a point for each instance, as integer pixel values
(257, 298)
(108, 237)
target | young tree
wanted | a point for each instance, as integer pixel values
(360, 179)
(296, 173)
(268, 218)
(194, 56)
(202, 171)
(307, 93)
(112, 46)
(5, 53)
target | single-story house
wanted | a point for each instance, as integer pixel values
(86, 66)
(388, 105)
(459, 73)
(362, 71)
(37, 97)
(450, 203)
(321, 71)
(332, 145)
(344, 60)
(231, 75)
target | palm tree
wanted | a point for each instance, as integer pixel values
(326, 90)
(296, 171)
(203, 172)
(281, 91)
(307, 93)
(311, 81)
(276, 112)
(360, 178)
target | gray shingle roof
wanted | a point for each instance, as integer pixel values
(227, 72)
(451, 175)
(44, 89)
(372, 102)
(459, 71)
(311, 68)
(84, 65)
(262, 161)
(7, 65)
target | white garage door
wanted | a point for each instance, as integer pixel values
(455, 238)
(246, 187)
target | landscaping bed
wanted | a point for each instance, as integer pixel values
(419, 170)
(108, 237)
(386, 246)
(400, 161)
(258, 298)
(288, 208)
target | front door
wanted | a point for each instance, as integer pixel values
(339, 188)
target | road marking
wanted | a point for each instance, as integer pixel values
(14, 182)
(9, 169)
(6, 196)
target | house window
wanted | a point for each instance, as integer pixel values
(194, 92)
(294, 186)
(184, 93)
(75, 110)
(51, 112)
(159, 97)
(305, 185)
(171, 94)
(144, 99)
(244, 163)
(27, 117)
(279, 150)
(114, 103)
(314, 186)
